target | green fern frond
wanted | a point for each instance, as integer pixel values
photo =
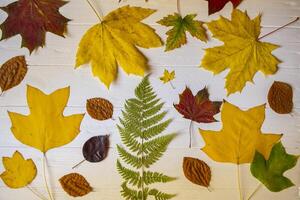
(160, 195)
(140, 127)
(157, 143)
(155, 177)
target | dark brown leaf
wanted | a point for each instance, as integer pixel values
(96, 148)
(196, 171)
(280, 97)
(12, 72)
(99, 108)
(75, 185)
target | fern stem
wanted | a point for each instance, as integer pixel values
(178, 7)
(78, 164)
(255, 191)
(239, 181)
(36, 193)
(295, 20)
(190, 132)
(95, 11)
(45, 177)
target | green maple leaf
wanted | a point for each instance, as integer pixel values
(270, 172)
(177, 34)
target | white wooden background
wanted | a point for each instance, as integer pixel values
(52, 67)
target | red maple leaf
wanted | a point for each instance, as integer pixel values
(197, 108)
(217, 5)
(32, 19)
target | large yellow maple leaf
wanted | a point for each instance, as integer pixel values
(240, 136)
(45, 127)
(242, 51)
(113, 42)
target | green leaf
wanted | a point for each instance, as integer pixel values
(177, 34)
(270, 172)
(160, 195)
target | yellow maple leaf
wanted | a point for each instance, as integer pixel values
(242, 51)
(18, 171)
(113, 42)
(240, 136)
(167, 76)
(45, 127)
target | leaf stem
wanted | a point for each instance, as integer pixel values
(36, 193)
(255, 191)
(99, 15)
(173, 87)
(78, 164)
(178, 7)
(295, 20)
(45, 177)
(239, 181)
(190, 132)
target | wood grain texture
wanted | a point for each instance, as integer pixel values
(52, 67)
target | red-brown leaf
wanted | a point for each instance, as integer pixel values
(217, 5)
(197, 108)
(32, 19)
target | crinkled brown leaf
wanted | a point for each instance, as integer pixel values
(75, 185)
(197, 108)
(280, 97)
(32, 19)
(12, 72)
(99, 108)
(96, 148)
(196, 171)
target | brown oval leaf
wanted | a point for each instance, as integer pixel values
(280, 97)
(75, 185)
(96, 148)
(12, 72)
(196, 171)
(99, 108)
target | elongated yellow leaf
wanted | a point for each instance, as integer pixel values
(113, 42)
(242, 51)
(45, 127)
(240, 136)
(18, 171)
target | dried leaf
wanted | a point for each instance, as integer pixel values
(75, 185)
(180, 25)
(113, 42)
(12, 72)
(280, 97)
(243, 52)
(96, 148)
(99, 108)
(196, 171)
(240, 136)
(45, 127)
(270, 172)
(217, 5)
(197, 108)
(167, 76)
(32, 19)
(18, 171)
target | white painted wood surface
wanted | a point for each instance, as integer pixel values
(52, 67)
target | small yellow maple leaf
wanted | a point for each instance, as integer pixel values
(113, 42)
(18, 171)
(167, 76)
(242, 51)
(240, 136)
(45, 127)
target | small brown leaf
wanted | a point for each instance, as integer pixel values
(99, 108)
(196, 171)
(280, 97)
(12, 72)
(75, 185)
